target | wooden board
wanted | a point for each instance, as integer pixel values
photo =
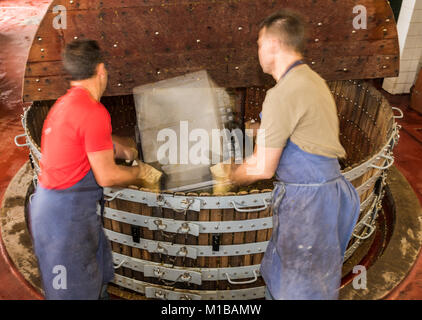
(149, 41)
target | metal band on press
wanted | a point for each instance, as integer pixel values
(169, 293)
(193, 275)
(189, 251)
(188, 227)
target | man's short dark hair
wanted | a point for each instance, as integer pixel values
(288, 26)
(81, 57)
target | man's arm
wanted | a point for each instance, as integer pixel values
(260, 166)
(107, 173)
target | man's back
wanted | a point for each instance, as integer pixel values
(302, 108)
(75, 125)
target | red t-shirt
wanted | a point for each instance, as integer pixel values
(76, 124)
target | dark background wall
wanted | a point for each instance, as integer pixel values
(396, 5)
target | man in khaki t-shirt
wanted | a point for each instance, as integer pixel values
(314, 207)
(308, 118)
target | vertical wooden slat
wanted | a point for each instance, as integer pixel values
(204, 240)
(115, 226)
(226, 239)
(250, 236)
(191, 239)
(214, 262)
(238, 237)
(125, 229)
(264, 234)
(180, 238)
(136, 208)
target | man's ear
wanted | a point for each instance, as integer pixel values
(100, 70)
(276, 45)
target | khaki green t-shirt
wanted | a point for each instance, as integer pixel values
(302, 108)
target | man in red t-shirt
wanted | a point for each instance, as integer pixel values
(77, 159)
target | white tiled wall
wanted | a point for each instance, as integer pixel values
(409, 27)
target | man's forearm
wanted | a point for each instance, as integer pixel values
(123, 176)
(245, 175)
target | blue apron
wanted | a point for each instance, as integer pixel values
(315, 210)
(74, 255)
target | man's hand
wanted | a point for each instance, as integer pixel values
(130, 154)
(148, 176)
(125, 148)
(222, 172)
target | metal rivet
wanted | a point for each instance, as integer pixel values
(157, 33)
(119, 84)
(313, 62)
(39, 89)
(316, 40)
(353, 31)
(319, 24)
(71, 1)
(198, 41)
(42, 50)
(115, 45)
(384, 67)
(37, 80)
(387, 20)
(385, 30)
(158, 72)
(39, 38)
(237, 68)
(344, 69)
(75, 37)
(240, 28)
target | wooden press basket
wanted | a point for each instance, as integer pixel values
(204, 246)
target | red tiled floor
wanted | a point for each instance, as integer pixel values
(16, 32)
